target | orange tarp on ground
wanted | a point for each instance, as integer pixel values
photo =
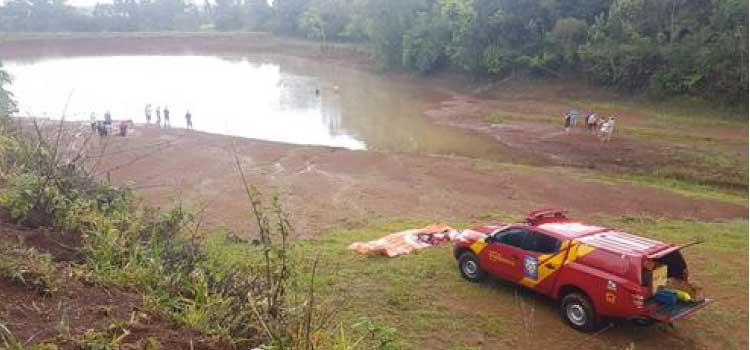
(407, 242)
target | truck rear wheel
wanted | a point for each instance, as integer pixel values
(468, 264)
(576, 309)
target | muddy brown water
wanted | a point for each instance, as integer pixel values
(285, 99)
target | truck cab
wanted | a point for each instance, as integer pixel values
(594, 272)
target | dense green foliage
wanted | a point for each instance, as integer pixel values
(133, 15)
(665, 47)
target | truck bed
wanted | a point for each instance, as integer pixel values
(671, 313)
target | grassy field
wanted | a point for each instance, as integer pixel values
(683, 187)
(425, 300)
(697, 149)
(424, 297)
(680, 110)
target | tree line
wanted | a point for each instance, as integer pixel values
(665, 47)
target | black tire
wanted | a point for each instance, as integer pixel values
(578, 312)
(468, 264)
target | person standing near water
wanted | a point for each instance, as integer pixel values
(166, 117)
(607, 129)
(123, 128)
(573, 117)
(108, 122)
(148, 113)
(92, 118)
(158, 116)
(189, 120)
(591, 122)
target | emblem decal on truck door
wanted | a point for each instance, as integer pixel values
(611, 285)
(531, 267)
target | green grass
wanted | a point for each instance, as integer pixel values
(411, 294)
(682, 187)
(500, 117)
(424, 298)
(694, 159)
(720, 265)
(697, 113)
(669, 135)
(661, 181)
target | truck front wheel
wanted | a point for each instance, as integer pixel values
(577, 310)
(469, 266)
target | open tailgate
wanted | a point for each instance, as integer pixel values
(671, 313)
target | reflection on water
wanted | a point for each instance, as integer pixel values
(235, 98)
(288, 100)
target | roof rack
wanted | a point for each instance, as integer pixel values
(543, 216)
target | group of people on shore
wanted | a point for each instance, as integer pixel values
(603, 128)
(165, 112)
(104, 127)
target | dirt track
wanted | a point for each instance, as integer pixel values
(324, 187)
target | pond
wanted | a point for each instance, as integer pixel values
(290, 100)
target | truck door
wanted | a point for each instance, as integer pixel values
(542, 259)
(503, 255)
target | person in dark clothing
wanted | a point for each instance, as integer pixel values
(101, 129)
(166, 117)
(189, 120)
(92, 117)
(108, 122)
(123, 128)
(566, 121)
(148, 113)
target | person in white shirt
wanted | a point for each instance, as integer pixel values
(607, 129)
(591, 122)
(148, 113)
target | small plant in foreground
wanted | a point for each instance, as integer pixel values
(107, 339)
(28, 267)
(8, 341)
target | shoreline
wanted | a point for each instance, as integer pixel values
(325, 187)
(333, 186)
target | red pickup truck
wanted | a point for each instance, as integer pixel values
(594, 272)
